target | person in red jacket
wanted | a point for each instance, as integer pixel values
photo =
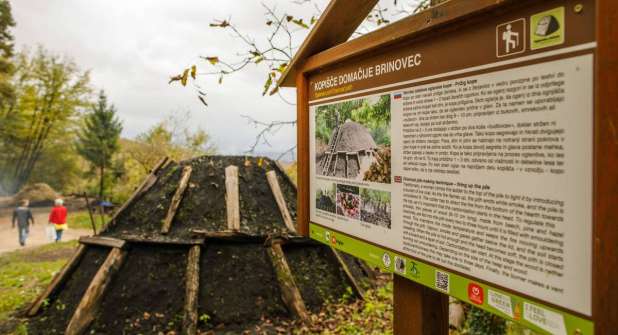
(58, 217)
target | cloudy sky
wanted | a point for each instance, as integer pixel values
(132, 47)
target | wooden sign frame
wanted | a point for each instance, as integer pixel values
(417, 309)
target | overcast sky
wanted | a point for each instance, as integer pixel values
(132, 47)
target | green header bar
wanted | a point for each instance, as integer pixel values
(536, 316)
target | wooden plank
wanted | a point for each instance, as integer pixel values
(103, 241)
(232, 198)
(281, 203)
(418, 310)
(88, 306)
(162, 240)
(358, 289)
(336, 24)
(189, 323)
(605, 211)
(302, 143)
(57, 281)
(148, 182)
(289, 290)
(227, 235)
(405, 29)
(281, 169)
(176, 199)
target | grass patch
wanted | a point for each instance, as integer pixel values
(81, 220)
(25, 273)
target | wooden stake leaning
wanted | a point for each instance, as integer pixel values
(143, 188)
(276, 189)
(58, 280)
(289, 290)
(102, 241)
(232, 198)
(189, 323)
(355, 285)
(87, 308)
(171, 211)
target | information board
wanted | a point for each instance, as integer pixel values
(465, 162)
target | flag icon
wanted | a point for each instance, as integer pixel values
(397, 96)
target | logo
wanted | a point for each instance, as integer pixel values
(475, 293)
(547, 29)
(400, 265)
(511, 38)
(398, 179)
(397, 96)
(386, 259)
(327, 236)
(414, 270)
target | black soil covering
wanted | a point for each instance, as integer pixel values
(203, 204)
(146, 295)
(325, 203)
(57, 312)
(238, 287)
(317, 274)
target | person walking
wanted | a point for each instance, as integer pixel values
(22, 216)
(58, 217)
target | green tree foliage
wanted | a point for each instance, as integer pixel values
(374, 114)
(50, 90)
(98, 139)
(7, 94)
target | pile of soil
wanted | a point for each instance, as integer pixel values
(326, 204)
(39, 194)
(147, 295)
(57, 311)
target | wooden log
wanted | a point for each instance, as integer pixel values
(281, 169)
(358, 289)
(283, 208)
(88, 306)
(290, 293)
(189, 323)
(57, 281)
(103, 241)
(180, 191)
(227, 235)
(232, 198)
(148, 182)
(163, 240)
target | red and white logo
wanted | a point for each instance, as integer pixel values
(475, 293)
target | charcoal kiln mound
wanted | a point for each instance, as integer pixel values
(351, 150)
(207, 245)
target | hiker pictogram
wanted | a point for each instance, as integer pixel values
(511, 38)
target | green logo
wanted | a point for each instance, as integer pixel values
(414, 270)
(547, 29)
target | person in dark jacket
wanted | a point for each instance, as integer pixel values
(22, 218)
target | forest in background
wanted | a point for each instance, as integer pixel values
(57, 128)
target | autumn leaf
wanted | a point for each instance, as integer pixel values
(289, 18)
(193, 71)
(175, 78)
(213, 60)
(300, 22)
(269, 22)
(185, 77)
(313, 20)
(203, 101)
(282, 67)
(220, 80)
(221, 24)
(267, 84)
(258, 59)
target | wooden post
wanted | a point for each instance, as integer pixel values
(232, 198)
(171, 211)
(102, 241)
(418, 310)
(358, 289)
(189, 323)
(87, 308)
(605, 211)
(94, 226)
(289, 290)
(302, 138)
(58, 280)
(283, 207)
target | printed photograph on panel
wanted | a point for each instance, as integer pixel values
(376, 207)
(325, 196)
(348, 201)
(353, 139)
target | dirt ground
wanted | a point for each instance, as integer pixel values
(9, 237)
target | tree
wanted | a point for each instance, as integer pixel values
(50, 90)
(7, 94)
(98, 139)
